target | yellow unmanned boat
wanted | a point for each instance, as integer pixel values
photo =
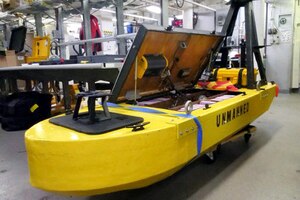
(155, 122)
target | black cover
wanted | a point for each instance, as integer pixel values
(19, 123)
(156, 64)
(22, 110)
(2, 104)
(117, 121)
(17, 39)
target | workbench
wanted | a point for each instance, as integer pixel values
(89, 73)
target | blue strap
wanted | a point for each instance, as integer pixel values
(153, 111)
(136, 108)
(146, 110)
(199, 130)
(114, 105)
(199, 135)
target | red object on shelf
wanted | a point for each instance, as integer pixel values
(177, 23)
(95, 33)
(237, 55)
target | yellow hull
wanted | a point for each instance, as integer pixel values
(65, 161)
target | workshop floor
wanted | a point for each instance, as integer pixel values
(268, 168)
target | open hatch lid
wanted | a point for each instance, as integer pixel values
(183, 53)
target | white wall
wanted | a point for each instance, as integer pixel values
(221, 17)
(296, 48)
(205, 21)
(188, 18)
(259, 8)
(279, 56)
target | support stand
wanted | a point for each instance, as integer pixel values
(252, 46)
(92, 96)
(99, 122)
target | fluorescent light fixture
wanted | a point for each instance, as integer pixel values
(44, 20)
(106, 10)
(126, 22)
(130, 15)
(141, 17)
(31, 21)
(226, 1)
(154, 9)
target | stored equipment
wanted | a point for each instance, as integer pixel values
(95, 33)
(40, 49)
(19, 111)
(237, 76)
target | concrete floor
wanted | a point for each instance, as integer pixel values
(267, 168)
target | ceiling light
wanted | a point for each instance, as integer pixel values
(141, 17)
(47, 20)
(106, 10)
(131, 15)
(154, 9)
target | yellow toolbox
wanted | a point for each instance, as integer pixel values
(40, 49)
(237, 76)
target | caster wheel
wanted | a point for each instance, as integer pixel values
(211, 157)
(247, 137)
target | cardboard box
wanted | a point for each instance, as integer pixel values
(11, 59)
(2, 61)
(12, 4)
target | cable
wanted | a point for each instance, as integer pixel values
(75, 50)
(53, 46)
(195, 18)
(178, 3)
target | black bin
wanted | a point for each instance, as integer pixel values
(23, 109)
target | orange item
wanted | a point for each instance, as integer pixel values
(277, 90)
(217, 85)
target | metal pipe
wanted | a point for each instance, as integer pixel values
(104, 39)
(60, 29)
(249, 45)
(215, 20)
(120, 26)
(87, 26)
(164, 16)
(38, 24)
(266, 29)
